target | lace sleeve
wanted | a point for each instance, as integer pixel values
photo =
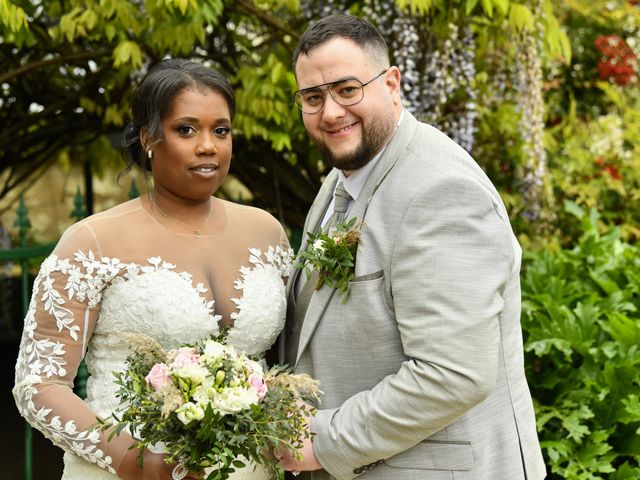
(62, 313)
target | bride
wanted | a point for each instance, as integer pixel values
(175, 264)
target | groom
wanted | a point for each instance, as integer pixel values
(422, 365)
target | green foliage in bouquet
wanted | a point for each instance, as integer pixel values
(581, 316)
(206, 406)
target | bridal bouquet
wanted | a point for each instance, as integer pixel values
(207, 406)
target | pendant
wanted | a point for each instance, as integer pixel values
(196, 233)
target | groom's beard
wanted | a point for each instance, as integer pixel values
(374, 137)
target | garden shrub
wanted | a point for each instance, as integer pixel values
(582, 339)
(596, 164)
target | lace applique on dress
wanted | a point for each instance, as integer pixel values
(262, 307)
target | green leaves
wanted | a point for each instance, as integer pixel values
(557, 41)
(264, 104)
(127, 52)
(582, 326)
(332, 255)
(79, 22)
(520, 17)
(12, 17)
(417, 6)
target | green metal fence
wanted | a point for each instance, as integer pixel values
(22, 254)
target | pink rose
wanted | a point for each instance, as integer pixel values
(257, 383)
(186, 356)
(158, 377)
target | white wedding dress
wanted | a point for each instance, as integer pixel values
(128, 271)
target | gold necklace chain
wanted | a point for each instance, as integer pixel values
(195, 231)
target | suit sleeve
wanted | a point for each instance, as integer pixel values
(452, 257)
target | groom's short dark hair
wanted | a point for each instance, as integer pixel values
(350, 27)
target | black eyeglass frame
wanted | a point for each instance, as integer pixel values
(326, 87)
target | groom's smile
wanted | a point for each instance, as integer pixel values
(342, 130)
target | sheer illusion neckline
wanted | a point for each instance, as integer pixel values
(196, 230)
(179, 227)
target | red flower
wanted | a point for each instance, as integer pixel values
(612, 171)
(618, 61)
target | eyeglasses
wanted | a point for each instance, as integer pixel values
(345, 92)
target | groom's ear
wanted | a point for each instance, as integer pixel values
(392, 80)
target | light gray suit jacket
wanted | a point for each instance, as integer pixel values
(422, 367)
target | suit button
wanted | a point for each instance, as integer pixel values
(358, 470)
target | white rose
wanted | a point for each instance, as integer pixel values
(213, 349)
(234, 399)
(196, 373)
(189, 412)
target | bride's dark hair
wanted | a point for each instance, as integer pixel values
(154, 98)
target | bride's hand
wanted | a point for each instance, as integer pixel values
(286, 457)
(154, 467)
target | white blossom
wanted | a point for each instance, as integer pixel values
(234, 399)
(189, 412)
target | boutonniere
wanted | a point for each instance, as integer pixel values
(332, 254)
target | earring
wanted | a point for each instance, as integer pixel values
(149, 154)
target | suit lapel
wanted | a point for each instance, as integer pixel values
(319, 207)
(312, 223)
(393, 152)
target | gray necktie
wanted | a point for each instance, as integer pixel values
(341, 202)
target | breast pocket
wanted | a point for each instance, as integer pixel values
(367, 291)
(368, 277)
(369, 288)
